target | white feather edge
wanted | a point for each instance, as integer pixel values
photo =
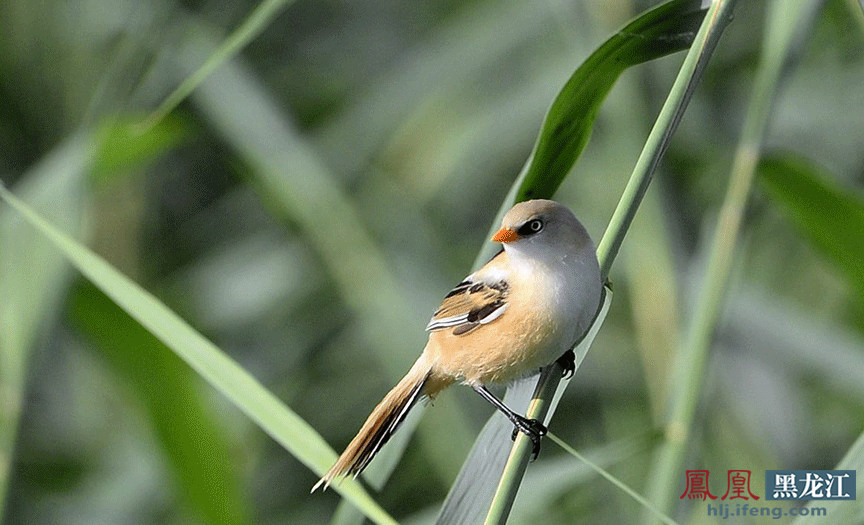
(456, 320)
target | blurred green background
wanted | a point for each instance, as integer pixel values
(309, 205)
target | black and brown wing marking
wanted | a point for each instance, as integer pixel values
(469, 305)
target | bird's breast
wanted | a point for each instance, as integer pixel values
(545, 315)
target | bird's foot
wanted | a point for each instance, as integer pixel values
(531, 428)
(568, 363)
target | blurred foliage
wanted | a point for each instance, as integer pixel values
(169, 393)
(829, 216)
(412, 119)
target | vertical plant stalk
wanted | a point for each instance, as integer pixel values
(658, 140)
(667, 121)
(783, 23)
(514, 470)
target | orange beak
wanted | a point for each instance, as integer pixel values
(505, 235)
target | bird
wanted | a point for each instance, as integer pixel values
(526, 308)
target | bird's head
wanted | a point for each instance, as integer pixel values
(541, 228)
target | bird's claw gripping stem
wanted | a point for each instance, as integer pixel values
(532, 428)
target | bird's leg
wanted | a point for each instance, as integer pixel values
(568, 363)
(530, 427)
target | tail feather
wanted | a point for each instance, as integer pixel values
(379, 426)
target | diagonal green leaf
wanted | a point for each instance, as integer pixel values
(254, 24)
(296, 185)
(663, 30)
(274, 417)
(856, 10)
(612, 479)
(667, 28)
(122, 146)
(169, 391)
(33, 277)
(829, 216)
(838, 511)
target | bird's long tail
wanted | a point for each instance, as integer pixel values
(380, 425)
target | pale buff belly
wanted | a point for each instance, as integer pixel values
(525, 338)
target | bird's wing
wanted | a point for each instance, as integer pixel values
(473, 302)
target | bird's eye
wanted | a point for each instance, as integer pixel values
(531, 227)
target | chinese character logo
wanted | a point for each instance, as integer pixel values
(697, 485)
(810, 484)
(784, 487)
(738, 485)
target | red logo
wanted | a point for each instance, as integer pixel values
(738, 483)
(697, 485)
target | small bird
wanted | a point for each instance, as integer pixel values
(524, 309)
